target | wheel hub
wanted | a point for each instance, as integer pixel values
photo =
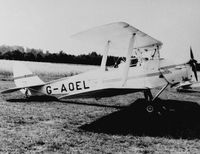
(150, 108)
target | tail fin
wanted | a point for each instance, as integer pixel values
(23, 77)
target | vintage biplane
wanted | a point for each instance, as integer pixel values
(150, 71)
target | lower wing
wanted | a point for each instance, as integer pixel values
(188, 84)
(107, 92)
(183, 85)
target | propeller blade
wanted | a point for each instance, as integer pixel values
(191, 53)
(193, 64)
(194, 69)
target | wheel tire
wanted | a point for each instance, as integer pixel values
(150, 109)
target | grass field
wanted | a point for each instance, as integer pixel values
(108, 125)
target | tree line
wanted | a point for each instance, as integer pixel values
(30, 54)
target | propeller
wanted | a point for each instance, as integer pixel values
(193, 64)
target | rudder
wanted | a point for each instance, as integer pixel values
(23, 77)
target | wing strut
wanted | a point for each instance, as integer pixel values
(105, 55)
(128, 58)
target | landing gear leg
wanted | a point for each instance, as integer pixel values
(149, 97)
(151, 100)
(163, 88)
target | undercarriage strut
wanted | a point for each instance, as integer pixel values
(150, 99)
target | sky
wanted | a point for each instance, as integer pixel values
(48, 24)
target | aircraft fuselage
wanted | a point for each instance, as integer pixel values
(151, 74)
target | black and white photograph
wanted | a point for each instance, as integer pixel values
(100, 76)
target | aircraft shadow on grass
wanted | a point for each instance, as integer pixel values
(33, 99)
(50, 99)
(181, 120)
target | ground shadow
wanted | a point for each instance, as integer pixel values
(33, 99)
(92, 104)
(50, 99)
(181, 120)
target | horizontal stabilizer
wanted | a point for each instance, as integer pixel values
(10, 90)
(19, 88)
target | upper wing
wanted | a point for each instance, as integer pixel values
(119, 34)
(19, 88)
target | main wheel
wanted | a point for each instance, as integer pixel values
(150, 109)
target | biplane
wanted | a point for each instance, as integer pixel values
(150, 71)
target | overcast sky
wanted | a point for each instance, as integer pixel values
(48, 24)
